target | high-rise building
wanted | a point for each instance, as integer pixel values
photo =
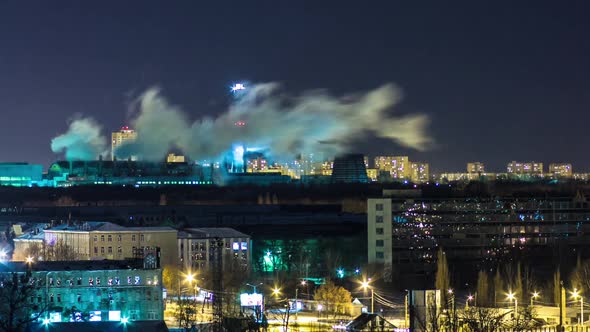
(475, 167)
(349, 168)
(397, 166)
(406, 233)
(526, 168)
(560, 170)
(420, 172)
(119, 137)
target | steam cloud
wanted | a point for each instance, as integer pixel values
(314, 122)
(82, 141)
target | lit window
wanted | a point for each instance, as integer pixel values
(129, 280)
(119, 237)
(110, 281)
(91, 281)
(137, 280)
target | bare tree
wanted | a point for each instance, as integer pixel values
(580, 278)
(480, 319)
(17, 294)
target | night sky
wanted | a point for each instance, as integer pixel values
(501, 80)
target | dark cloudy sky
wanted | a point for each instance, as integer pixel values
(501, 80)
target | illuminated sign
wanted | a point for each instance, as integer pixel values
(244, 245)
(249, 300)
(115, 315)
(55, 317)
(95, 316)
(236, 246)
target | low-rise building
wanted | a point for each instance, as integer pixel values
(84, 291)
(95, 240)
(196, 248)
(524, 168)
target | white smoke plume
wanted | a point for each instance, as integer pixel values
(283, 126)
(83, 140)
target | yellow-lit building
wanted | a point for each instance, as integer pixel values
(525, 168)
(256, 165)
(95, 240)
(372, 174)
(420, 172)
(560, 170)
(475, 167)
(119, 137)
(397, 166)
(174, 158)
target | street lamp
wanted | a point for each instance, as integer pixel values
(365, 284)
(512, 297)
(469, 298)
(533, 297)
(575, 295)
(29, 260)
(276, 291)
(190, 278)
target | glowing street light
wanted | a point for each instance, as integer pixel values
(533, 297)
(276, 291)
(29, 260)
(511, 296)
(469, 299)
(365, 284)
(575, 295)
(46, 321)
(124, 320)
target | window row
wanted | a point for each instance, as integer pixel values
(92, 281)
(109, 238)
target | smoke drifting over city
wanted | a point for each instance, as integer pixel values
(281, 126)
(83, 140)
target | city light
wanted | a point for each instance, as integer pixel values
(46, 321)
(2, 254)
(124, 320)
(237, 87)
(29, 260)
(510, 296)
(303, 283)
(276, 291)
(189, 278)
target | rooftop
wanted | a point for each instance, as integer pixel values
(103, 226)
(89, 265)
(207, 233)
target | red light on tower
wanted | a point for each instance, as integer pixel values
(240, 123)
